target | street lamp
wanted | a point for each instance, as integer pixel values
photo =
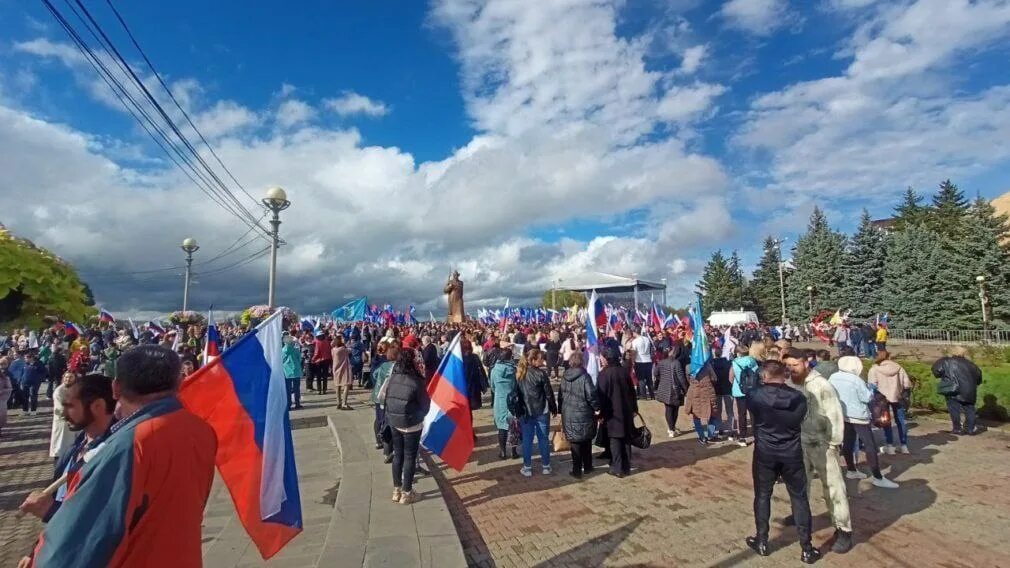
(189, 246)
(810, 294)
(554, 299)
(276, 200)
(664, 293)
(782, 279)
(984, 299)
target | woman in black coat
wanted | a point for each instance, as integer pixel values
(618, 406)
(580, 404)
(671, 384)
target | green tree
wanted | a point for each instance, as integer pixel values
(719, 285)
(982, 252)
(863, 266)
(910, 211)
(765, 285)
(818, 259)
(949, 209)
(565, 299)
(914, 289)
(34, 283)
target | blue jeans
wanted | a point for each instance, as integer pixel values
(294, 391)
(538, 424)
(706, 431)
(30, 396)
(898, 411)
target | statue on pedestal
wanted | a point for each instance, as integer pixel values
(454, 291)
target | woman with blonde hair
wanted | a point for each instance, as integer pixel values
(758, 351)
(538, 396)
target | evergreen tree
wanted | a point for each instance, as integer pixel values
(740, 287)
(863, 265)
(910, 211)
(915, 291)
(946, 216)
(982, 252)
(817, 258)
(717, 283)
(764, 284)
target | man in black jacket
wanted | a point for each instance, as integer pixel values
(778, 412)
(959, 381)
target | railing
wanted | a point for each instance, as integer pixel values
(945, 337)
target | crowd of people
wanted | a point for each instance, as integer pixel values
(809, 413)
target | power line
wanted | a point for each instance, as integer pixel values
(172, 96)
(254, 256)
(111, 48)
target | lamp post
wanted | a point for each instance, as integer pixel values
(276, 200)
(782, 279)
(554, 299)
(984, 299)
(810, 300)
(664, 293)
(189, 246)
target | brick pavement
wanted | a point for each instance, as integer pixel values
(691, 506)
(25, 465)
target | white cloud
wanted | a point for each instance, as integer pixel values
(293, 112)
(759, 17)
(225, 117)
(353, 103)
(896, 116)
(683, 103)
(692, 58)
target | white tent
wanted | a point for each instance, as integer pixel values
(736, 317)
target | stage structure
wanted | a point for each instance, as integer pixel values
(614, 289)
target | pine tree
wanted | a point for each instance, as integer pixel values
(764, 284)
(910, 211)
(817, 258)
(863, 265)
(949, 209)
(913, 293)
(717, 284)
(740, 286)
(982, 252)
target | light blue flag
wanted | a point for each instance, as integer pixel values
(351, 311)
(700, 351)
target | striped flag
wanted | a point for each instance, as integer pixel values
(448, 430)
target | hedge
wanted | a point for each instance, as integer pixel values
(993, 394)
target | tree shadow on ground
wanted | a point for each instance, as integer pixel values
(872, 512)
(595, 551)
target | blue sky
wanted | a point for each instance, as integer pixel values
(520, 142)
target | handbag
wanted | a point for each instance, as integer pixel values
(641, 436)
(559, 441)
(880, 410)
(515, 435)
(602, 440)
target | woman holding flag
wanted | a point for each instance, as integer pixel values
(407, 402)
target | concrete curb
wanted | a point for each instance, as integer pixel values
(366, 528)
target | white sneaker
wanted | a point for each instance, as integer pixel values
(885, 483)
(904, 449)
(671, 434)
(546, 470)
(855, 475)
(889, 450)
(526, 471)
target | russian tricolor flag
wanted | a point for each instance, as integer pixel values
(212, 343)
(105, 317)
(71, 329)
(594, 313)
(448, 431)
(242, 395)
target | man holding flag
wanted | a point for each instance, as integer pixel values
(139, 499)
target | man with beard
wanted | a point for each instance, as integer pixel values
(88, 408)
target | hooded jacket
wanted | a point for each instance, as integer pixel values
(890, 379)
(825, 421)
(778, 412)
(579, 403)
(854, 396)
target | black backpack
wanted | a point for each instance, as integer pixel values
(516, 403)
(749, 380)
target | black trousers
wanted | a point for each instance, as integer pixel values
(321, 372)
(863, 432)
(582, 457)
(377, 426)
(671, 416)
(741, 416)
(405, 447)
(620, 461)
(644, 373)
(766, 471)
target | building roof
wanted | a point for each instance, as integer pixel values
(610, 283)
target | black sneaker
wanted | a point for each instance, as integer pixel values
(810, 555)
(978, 430)
(758, 546)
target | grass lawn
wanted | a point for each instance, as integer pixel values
(993, 393)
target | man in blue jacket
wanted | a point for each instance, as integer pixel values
(29, 373)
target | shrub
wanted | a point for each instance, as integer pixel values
(993, 393)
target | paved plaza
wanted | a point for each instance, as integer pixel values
(683, 505)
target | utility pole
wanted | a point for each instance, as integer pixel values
(276, 201)
(782, 279)
(189, 246)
